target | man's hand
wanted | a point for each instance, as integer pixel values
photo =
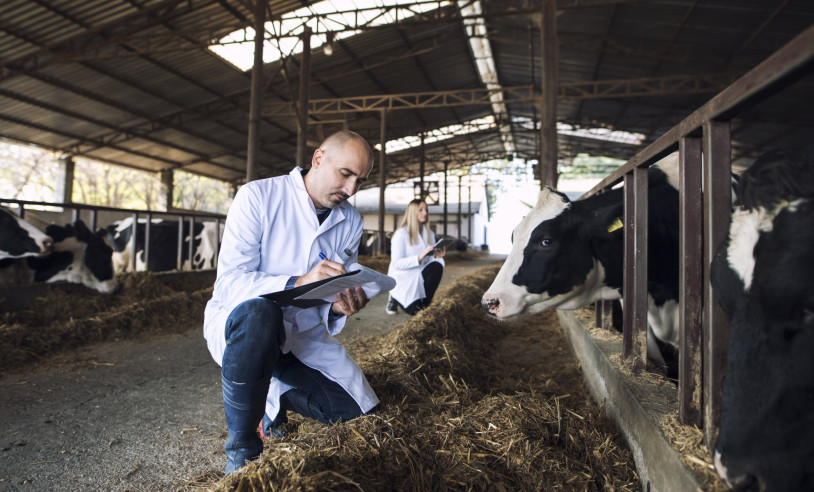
(349, 302)
(323, 270)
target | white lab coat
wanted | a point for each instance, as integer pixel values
(271, 234)
(404, 266)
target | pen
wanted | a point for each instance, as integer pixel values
(322, 256)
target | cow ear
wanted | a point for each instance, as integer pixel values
(606, 222)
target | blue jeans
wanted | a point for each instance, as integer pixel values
(254, 338)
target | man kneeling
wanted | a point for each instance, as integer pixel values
(281, 233)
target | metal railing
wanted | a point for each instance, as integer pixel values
(93, 212)
(703, 141)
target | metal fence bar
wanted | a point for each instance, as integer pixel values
(191, 246)
(179, 262)
(133, 243)
(691, 274)
(147, 248)
(717, 206)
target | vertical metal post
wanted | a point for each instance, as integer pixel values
(179, 261)
(458, 223)
(191, 246)
(256, 99)
(446, 181)
(147, 227)
(634, 342)
(717, 204)
(469, 212)
(67, 168)
(548, 101)
(690, 294)
(93, 213)
(382, 179)
(421, 169)
(305, 82)
(133, 251)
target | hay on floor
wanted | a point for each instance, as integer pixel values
(59, 318)
(467, 402)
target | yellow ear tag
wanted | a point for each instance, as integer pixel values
(617, 224)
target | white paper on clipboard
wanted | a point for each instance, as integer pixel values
(371, 281)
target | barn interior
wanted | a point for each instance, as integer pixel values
(440, 85)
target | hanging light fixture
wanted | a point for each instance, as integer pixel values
(328, 49)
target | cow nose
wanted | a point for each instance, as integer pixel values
(491, 305)
(47, 244)
(740, 483)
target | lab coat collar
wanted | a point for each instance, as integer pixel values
(336, 216)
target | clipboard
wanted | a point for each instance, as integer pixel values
(444, 243)
(324, 291)
(289, 297)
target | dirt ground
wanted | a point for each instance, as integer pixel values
(132, 415)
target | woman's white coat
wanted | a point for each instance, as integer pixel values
(405, 267)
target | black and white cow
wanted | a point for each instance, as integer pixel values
(164, 245)
(19, 239)
(567, 255)
(79, 256)
(763, 277)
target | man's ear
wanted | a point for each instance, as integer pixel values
(316, 160)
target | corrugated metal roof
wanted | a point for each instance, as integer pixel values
(134, 84)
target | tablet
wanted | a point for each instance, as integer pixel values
(444, 243)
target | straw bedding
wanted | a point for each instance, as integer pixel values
(467, 403)
(58, 319)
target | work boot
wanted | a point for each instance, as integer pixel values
(392, 306)
(244, 405)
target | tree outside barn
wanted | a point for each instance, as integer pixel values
(32, 173)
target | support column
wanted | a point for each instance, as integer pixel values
(548, 100)
(64, 189)
(256, 100)
(469, 212)
(305, 82)
(421, 170)
(382, 180)
(459, 222)
(166, 192)
(446, 182)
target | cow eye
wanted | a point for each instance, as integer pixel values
(546, 243)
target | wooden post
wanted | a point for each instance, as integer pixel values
(256, 98)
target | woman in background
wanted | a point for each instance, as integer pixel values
(415, 263)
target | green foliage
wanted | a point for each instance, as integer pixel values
(585, 166)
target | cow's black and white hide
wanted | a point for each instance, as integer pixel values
(19, 238)
(79, 256)
(763, 278)
(567, 255)
(164, 245)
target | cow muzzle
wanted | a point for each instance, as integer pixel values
(491, 305)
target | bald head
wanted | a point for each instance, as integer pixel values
(338, 141)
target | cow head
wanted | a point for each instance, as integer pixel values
(19, 239)
(762, 277)
(553, 261)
